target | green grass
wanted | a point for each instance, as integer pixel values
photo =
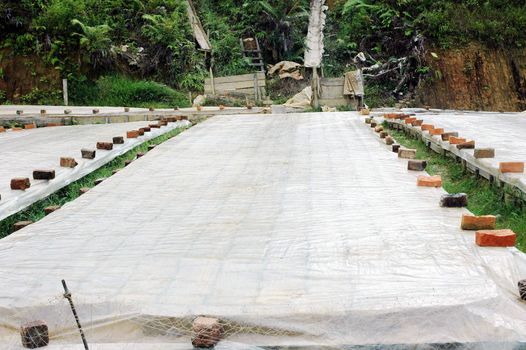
(35, 212)
(484, 198)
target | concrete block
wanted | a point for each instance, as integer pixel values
(20, 183)
(44, 174)
(416, 165)
(132, 134)
(34, 334)
(88, 153)
(511, 167)
(206, 332)
(51, 209)
(484, 153)
(495, 238)
(406, 153)
(118, 140)
(429, 181)
(457, 200)
(108, 146)
(21, 224)
(395, 148)
(126, 109)
(474, 223)
(363, 111)
(68, 162)
(466, 145)
(447, 135)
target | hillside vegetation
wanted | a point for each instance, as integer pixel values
(151, 40)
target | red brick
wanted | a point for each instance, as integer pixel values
(44, 174)
(436, 132)
(417, 122)
(456, 140)
(206, 332)
(163, 122)
(221, 107)
(474, 223)
(407, 153)
(429, 181)
(409, 120)
(20, 183)
(21, 224)
(466, 145)
(68, 162)
(34, 334)
(427, 127)
(108, 146)
(484, 153)
(141, 132)
(511, 167)
(146, 129)
(54, 124)
(2, 129)
(154, 126)
(447, 135)
(30, 126)
(132, 134)
(495, 238)
(118, 140)
(16, 129)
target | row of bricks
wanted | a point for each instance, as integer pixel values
(94, 111)
(48, 210)
(28, 126)
(462, 143)
(207, 332)
(487, 236)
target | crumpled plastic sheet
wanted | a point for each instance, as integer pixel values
(28, 150)
(502, 131)
(298, 230)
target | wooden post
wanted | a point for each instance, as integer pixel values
(315, 91)
(65, 91)
(256, 88)
(190, 98)
(212, 81)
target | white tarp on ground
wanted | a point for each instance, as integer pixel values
(502, 131)
(22, 152)
(297, 229)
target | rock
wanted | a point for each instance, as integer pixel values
(389, 140)
(200, 100)
(21, 224)
(99, 181)
(522, 289)
(83, 190)
(51, 209)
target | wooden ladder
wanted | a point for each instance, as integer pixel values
(253, 53)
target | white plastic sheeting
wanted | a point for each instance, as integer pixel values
(314, 42)
(297, 229)
(28, 150)
(502, 131)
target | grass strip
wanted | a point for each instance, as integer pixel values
(484, 197)
(35, 211)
